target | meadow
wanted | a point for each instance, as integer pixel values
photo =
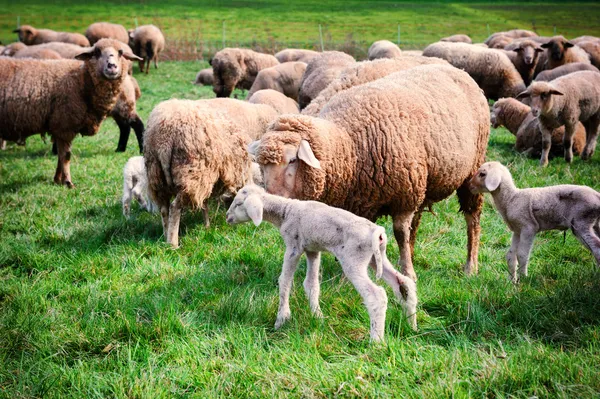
(93, 305)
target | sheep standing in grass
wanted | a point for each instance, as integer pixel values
(106, 30)
(383, 49)
(147, 42)
(125, 114)
(551, 74)
(565, 101)
(275, 99)
(531, 210)
(135, 185)
(394, 146)
(296, 55)
(312, 227)
(204, 77)
(284, 78)
(559, 51)
(61, 97)
(30, 35)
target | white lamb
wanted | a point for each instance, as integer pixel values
(311, 227)
(135, 185)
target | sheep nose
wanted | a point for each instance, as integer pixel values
(229, 219)
(110, 66)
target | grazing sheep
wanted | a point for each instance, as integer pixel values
(394, 146)
(524, 54)
(11, 49)
(519, 120)
(551, 74)
(457, 39)
(237, 67)
(61, 97)
(284, 78)
(559, 52)
(125, 114)
(39, 54)
(491, 69)
(365, 72)
(529, 211)
(281, 103)
(584, 38)
(204, 77)
(106, 30)
(30, 35)
(593, 50)
(383, 49)
(565, 101)
(311, 227)
(135, 185)
(296, 55)
(321, 71)
(147, 42)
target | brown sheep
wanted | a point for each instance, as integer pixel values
(565, 101)
(394, 146)
(518, 119)
(499, 42)
(457, 39)
(559, 51)
(524, 54)
(593, 50)
(584, 38)
(551, 74)
(38, 54)
(125, 114)
(106, 30)
(491, 69)
(293, 55)
(30, 35)
(365, 72)
(147, 42)
(284, 78)
(321, 71)
(237, 67)
(11, 49)
(281, 103)
(204, 77)
(383, 49)
(61, 97)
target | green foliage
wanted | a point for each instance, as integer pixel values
(92, 305)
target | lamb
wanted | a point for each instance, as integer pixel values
(529, 211)
(593, 50)
(383, 49)
(284, 78)
(106, 30)
(311, 227)
(147, 42)
(491, 69)
(237, 67)
(519, 120)
(457, 39)
(135, 185)
(321, 71)
(394, 146)
(204, 77)
(61, 97)
(524, 54)
(365, 72)
(551, 74)
(296, 55)
(565, 101)
(281, 103)
(559, 52)
(30, 35)
(125, 114)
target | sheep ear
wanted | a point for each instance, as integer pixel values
(568, 45)
(538, 49)
(493, 179)
(254, 209)
(523, 95)
(556, 92)
(306, 154)
(253, 147)
(85, 56)
(545, 45)
(131, 57)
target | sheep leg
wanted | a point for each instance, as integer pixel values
(147, 65)
(414, 227)
(290, 262)
(311, 282)
(586, 234)
(471, 206)
(174, 218)
(124, 130)
(141, 64)
(402, 223)
(138, 128)
(591, 130)
(511, 258)
(164, 214)
(2, 144)
(126, 200)
(205, 215)
(63, 169)
(546, 144)
(524, 250)
(156, 61)
(568, 141)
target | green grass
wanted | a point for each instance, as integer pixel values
(92, 305)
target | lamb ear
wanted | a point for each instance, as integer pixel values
(254, 209)
(131, 57)
(85, 56)
(253, 147)
(523, 94)
(556, 92)
(493, 179)
(306, 154)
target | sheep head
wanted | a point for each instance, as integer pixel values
(557, 47)
(529, 51)
(26, 34)
(540, 95)
(488, 178)
(107, 59)
(247, 205)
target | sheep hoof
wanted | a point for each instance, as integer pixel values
(69, 184)
(280, 321)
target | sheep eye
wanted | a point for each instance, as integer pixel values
(292, 160)
(120, 53)
(544, 96)
(97, 53)
(482, 174)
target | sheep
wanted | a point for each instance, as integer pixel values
(559, 51)
(30, 35)
(65, 50)
(383, 49)
(364, 72)
(524, 54)
(519, 120)
(237, 67)
(491, 69)
(293, 55)
(311, 227)
(284, 78)
(11, 49)
(204, 77)
(499, 41)
(593, 50)
(135, 185)
(38, 54)
(281, 103)
(531, 210)
(551, 74)
(61, 97)
(125, 114)
(457, 38)
(147, 42)
(497, 37)
(321, 71)
(394, 146)
(565, 101)
(106, 30)
(584, 38)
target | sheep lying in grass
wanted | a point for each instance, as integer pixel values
(135, 185)
(311, 227)
(30, 35)
(565, 101)
(531, 210)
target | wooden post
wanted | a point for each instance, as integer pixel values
(321, 36)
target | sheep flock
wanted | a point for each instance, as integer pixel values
(324, 144)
